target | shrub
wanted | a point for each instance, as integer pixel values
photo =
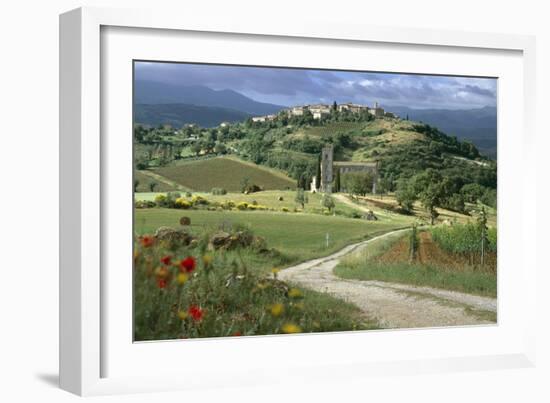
(197, 200)
(182, 203)
(161, 200)
(227, 205)
(144, 204)
(188, 194)
(285, 210)
(242, 206)
(218, 191)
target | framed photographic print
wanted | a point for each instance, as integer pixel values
(237, 198)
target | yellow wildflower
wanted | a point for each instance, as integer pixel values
(182, 315)
(182, 278)
(291, 328)
(295, 293)
(277, 309)
(207, 259)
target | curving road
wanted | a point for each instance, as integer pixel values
(393, 305)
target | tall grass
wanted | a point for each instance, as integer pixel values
(468, 281)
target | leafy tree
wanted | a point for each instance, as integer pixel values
(152, 186)
(405, 195)
(472, 192)
(328, 202)
(196, 148)
(301, 197)
(357, 182)
(220, 148)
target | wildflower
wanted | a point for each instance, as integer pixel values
(195, 312)
(182, 315)
(182, 278)
(237, 334)
(291, 328)
(166, 260)
(277, 309)
(136, 254)
(147, 241)
(275, 270)
(161, 283)
(295, 293)
(188, 264)
(162, 272)
(206, 260)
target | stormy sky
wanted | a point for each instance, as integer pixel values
(289, 87)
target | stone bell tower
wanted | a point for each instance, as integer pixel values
(327, 155)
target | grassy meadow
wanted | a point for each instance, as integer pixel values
(278, 229)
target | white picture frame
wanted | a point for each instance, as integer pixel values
(85, 196)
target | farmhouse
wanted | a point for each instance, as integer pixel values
(329, 168)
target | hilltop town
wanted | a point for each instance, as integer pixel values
(318, 111)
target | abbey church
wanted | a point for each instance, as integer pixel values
(329, 168)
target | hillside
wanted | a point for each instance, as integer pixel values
(205, 174)
(404, 149)
(476, 125)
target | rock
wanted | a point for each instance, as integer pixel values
(185, 221)
(219, 240)
(227, 241)
(173, 237)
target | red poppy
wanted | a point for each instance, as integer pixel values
(166, 260)
(188, 264)
(162, 283)
(195, 312)
(147, 241)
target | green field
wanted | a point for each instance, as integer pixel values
(298, 236)
(144, 181)
(224, 172)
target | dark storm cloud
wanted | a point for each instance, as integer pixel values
(296, 86)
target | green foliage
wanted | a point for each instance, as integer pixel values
(464, 238)
(359, 183)
(328, 202)
(218, 191)
(405, 195)
(301, 197)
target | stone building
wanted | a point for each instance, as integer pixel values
(376, 111)
(329, 168)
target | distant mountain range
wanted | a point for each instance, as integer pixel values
(152, 92)
(178, 115)
(476, 125)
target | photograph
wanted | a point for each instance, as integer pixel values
(275, 200)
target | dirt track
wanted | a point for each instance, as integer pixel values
(393, 305)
